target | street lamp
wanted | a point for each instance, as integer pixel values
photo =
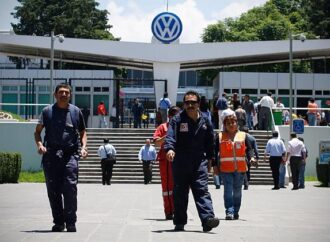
(60, 38)
(302, 38)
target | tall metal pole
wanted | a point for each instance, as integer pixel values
(290, 76)
(52, 39)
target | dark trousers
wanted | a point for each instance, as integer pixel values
(275, 162)
(295, 163)
(194, 175)
(107, 167)
(147, 171)
(61, 180)
(247, 174)
(264, 118)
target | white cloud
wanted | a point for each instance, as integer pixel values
(132, 22)
(236, 8)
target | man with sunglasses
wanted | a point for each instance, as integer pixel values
(189, 144)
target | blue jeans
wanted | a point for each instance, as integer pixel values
(249, 120)
(232, 194)
(311, 119)
(217, 180)
(282, 171)
(302, 176)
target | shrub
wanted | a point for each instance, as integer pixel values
(10, 167)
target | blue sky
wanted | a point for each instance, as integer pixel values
(131, 19)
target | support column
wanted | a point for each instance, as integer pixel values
(170, 72)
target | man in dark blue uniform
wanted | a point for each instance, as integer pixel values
(190, 145)
(64, 134)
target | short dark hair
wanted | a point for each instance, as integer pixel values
(194, 93)
(275, 134)
(293, 135)
(173, 110)
(63, 85)
(301, 139)
(245, 129)
(106, 140)
(165, 94)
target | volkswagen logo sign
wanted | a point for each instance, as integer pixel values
(166, 27)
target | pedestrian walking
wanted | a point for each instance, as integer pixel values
(164, 105)
(275, 148)
(230, 150)
(64, 142)
(102, 112)
(248, 106)
(165, 166)
(147, 155)
(189, 144)
(266, 104)
(296, 149)
(137, 110)
(108, 158)
(221, 105)
(304, 155)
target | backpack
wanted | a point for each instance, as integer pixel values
(74, 113)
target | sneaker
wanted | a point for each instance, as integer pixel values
(210, 223)
(58, 228)
(169, 216)
(71, 228)
(246, 187)
(179, 227)
(275, 188)
(236, 216)
(229, 217)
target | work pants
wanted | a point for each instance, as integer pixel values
(61, 175)
(107, 167)
(165, 168)
(189, 173)
(295, 163)
(147, 171)
(275, 162)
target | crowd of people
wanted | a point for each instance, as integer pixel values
(189, 150)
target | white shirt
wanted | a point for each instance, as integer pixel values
(267, 101)
(296, 147)
(109, 149)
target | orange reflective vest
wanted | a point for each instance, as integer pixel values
(232, 153)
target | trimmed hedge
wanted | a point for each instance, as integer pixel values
(10, 167)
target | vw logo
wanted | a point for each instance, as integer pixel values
(166, 27)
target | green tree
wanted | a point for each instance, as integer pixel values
(272, 21)
(72, 18)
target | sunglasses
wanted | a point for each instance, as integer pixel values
(190, 102)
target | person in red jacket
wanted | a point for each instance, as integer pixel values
(102, 112)
(165, 166)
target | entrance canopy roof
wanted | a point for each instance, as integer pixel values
(142, 55)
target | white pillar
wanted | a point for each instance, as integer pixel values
(170, 72)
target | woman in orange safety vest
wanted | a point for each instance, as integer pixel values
(231, 149)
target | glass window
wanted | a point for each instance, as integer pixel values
(97, 99)
(249, 91)
(305, 92)
(42, 99)
(105, 89)
(10, 88)
(148, 75)
(318, 92)
(22, 88)
(78, 89)
(83, 100)
(27, 110)
(43, 89)
(137, 74)
(228, 91)
(283, 91)
(97, 89)
(10, 98)
(182, 79)
(87, 89)
(326, 92)
(235, 91)
(191, 78)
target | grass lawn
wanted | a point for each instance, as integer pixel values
(31, 176)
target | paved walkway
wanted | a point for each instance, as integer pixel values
(134, 213)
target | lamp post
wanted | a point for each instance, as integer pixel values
(52, 40)
(302, 38)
